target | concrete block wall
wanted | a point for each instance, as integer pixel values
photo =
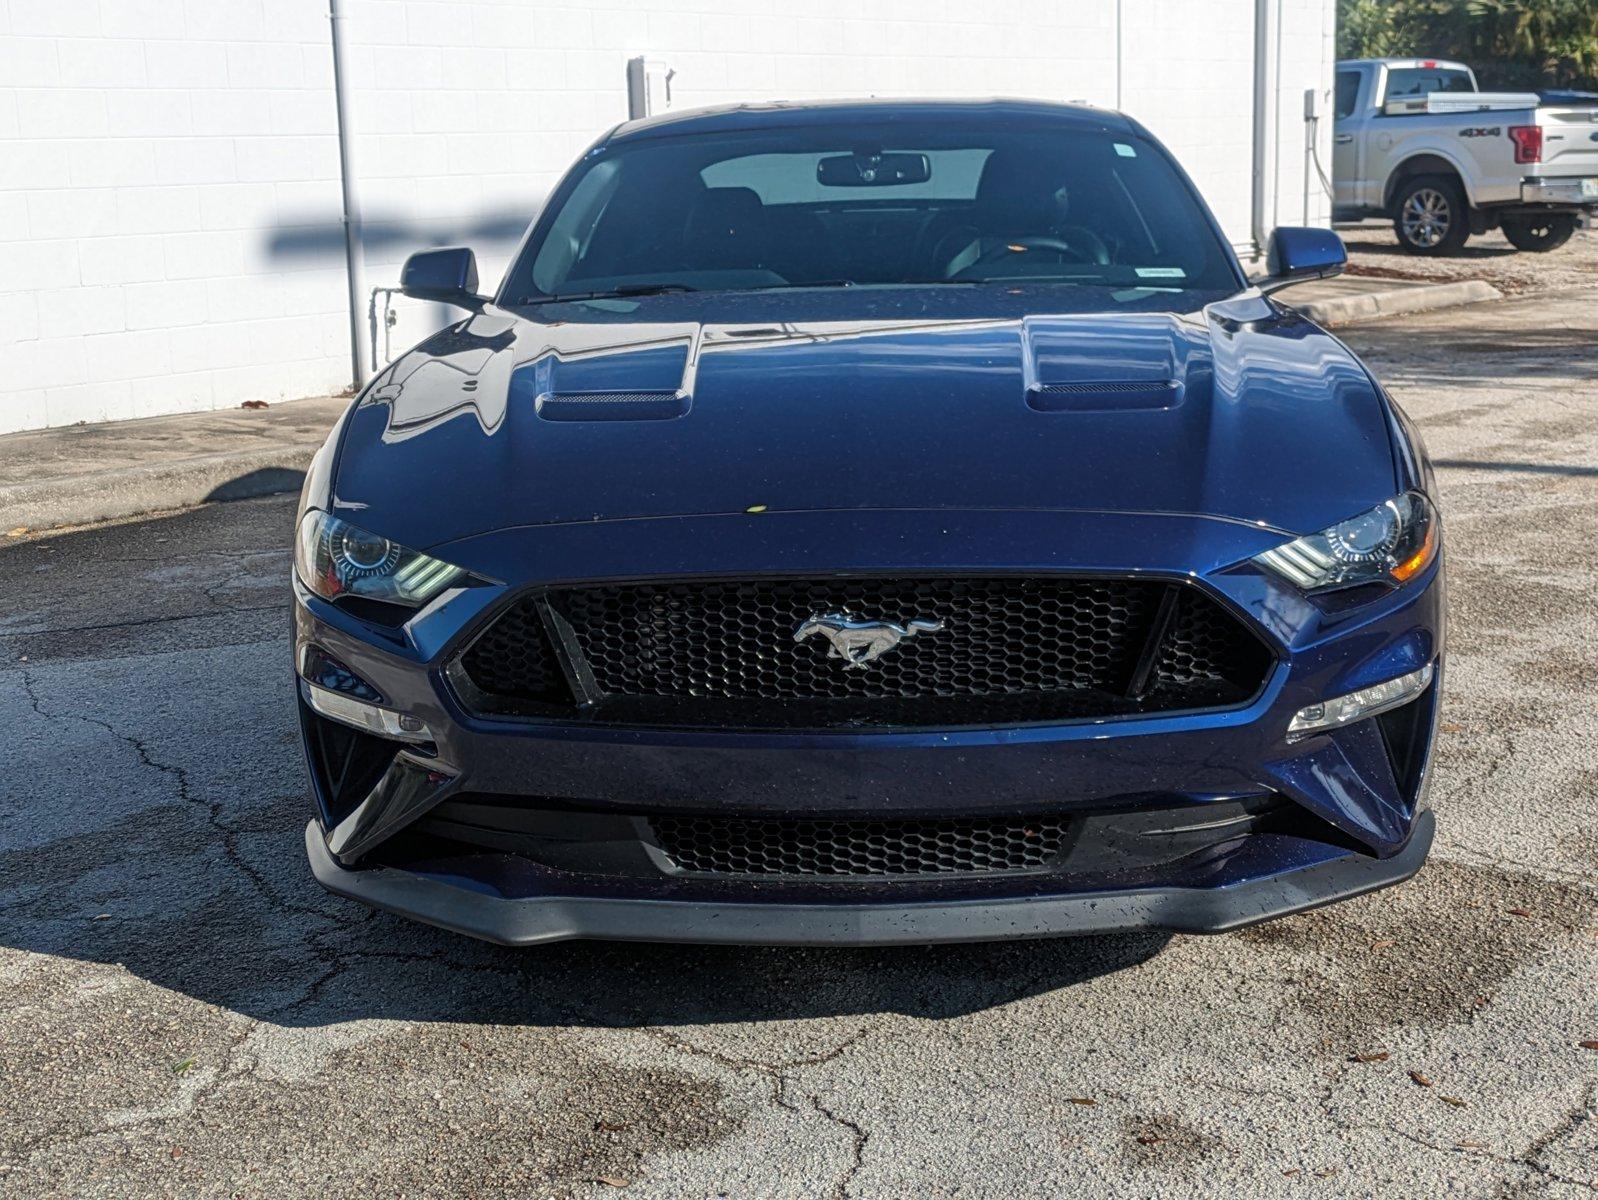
(170, 233)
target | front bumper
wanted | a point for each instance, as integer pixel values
(530, 920)
(1348, 817)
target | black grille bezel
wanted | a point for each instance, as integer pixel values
(584, 704)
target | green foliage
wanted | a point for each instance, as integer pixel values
(1510, 43)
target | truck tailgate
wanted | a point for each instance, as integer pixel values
(1570, 142)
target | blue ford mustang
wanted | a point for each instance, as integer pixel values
(872, 522)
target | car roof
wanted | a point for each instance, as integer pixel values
(1443, 64)
(775, 114)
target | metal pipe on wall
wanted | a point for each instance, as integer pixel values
(360, 366)
(1267, 59)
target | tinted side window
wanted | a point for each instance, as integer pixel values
(1347, 93)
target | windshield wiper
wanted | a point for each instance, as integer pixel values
(615, 293)
(800, 283)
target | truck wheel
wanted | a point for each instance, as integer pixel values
(1430, 215)
(1539, 232)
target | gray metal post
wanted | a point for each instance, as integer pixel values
(360, 366)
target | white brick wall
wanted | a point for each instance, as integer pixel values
(169, 201)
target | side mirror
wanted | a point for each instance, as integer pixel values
(1299, 254)
(448, 276)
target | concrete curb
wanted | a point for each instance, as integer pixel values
(1398, 301)
(179, 483)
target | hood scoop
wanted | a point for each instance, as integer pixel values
(1110, 396)
(612, 406)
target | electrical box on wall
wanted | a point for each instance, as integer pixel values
(648, 87)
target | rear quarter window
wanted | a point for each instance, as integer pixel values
(1347, 93)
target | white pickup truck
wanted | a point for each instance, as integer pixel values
(1415, 140)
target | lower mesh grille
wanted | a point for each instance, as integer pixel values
(732, 846)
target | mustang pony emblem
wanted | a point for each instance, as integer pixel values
(860, 642)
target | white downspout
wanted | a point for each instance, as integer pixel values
(1267, 62)
(360, 366)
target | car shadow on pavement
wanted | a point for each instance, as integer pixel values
(278, 950)
(221, 906)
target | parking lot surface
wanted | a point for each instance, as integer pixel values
(1373, 250)
(185, 1013)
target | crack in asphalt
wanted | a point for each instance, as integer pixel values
(142, 622)
(778, 1076)
(1526, 1160)
(180, 780)
(859, 1136)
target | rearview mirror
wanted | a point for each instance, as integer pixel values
(1299, 254)
(448, 276)
(873, 169)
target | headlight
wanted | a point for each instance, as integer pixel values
(1393, 542)
(334, 558)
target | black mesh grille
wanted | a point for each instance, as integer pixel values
(1204, 643)
(1003, 650)
(733, 846)
(516, 661)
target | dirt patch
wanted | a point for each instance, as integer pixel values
(1568, 671)
(476, 1110)
(1165, 1142)
(1373, 250)
(1432, 951)
(1491, 606)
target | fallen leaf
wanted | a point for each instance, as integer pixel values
(1451, 727)
(615, 1181)
(1085, 1101)
(1292, 1171)
(180, 1067)
(1326, 1172)
(1471, 1145)
(1383, 944)
(17, 532)
(1453, 1100)
(1149, 1139)
(1522, 913)
(1589, 1044)
(1420, 1079)
(610, 1126)
(1378, 1056)
(253, 404)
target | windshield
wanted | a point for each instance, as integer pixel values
(861, 205)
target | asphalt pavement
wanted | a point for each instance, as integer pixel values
(183, 1012)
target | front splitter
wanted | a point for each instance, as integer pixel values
(526, 921)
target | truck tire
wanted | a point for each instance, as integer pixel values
(1539, 232)
(1430, 215)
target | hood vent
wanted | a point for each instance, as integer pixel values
(612, 406)
(1104, 397)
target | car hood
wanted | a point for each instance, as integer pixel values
(1241, 411)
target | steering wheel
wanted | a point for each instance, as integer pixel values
(1093, 250)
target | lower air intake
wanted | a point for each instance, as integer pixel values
(735, 846)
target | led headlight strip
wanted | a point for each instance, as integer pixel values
(335, 558)
(1356, 706)
(1392, 543)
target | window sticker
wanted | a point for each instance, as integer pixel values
(1161, 273)
(1124, 150)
